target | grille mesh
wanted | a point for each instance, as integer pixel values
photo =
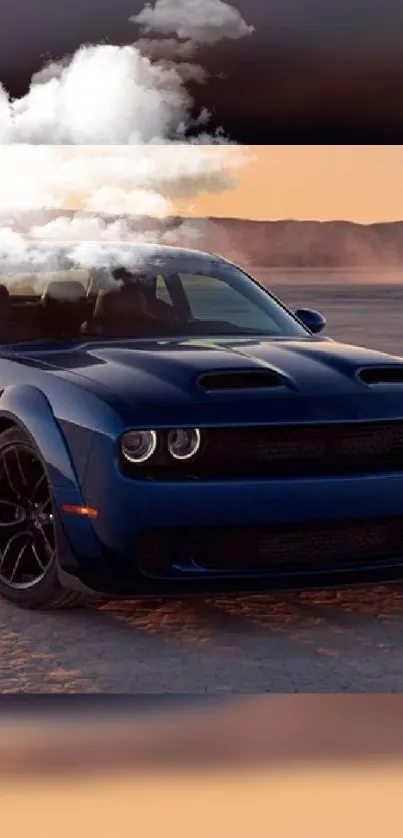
(304, 450)
(273, 548)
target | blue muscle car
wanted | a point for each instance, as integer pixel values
(168, 428)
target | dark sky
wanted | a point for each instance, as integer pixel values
(47, 24)
(316, 70)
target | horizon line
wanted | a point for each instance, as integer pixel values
(161, 219)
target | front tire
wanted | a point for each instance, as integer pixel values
(28, 546)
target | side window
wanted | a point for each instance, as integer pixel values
(214, 300)
(161, 291)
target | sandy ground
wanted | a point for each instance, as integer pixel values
(369, 315)
(349, 641)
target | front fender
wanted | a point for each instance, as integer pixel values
(29, 408)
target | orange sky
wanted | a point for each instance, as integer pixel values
(358, 183)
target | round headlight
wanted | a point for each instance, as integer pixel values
(183, 443)
(138, 446)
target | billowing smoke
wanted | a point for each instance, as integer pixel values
(111, 131)
(106, 94)
(130, 183)
(203, 21)
(138, 180)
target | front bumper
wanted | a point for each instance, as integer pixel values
(103, 555)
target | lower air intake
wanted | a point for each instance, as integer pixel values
(273, 548)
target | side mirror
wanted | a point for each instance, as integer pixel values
(313, 320)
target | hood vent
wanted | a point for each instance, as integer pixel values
(240, 380)
(382, 375)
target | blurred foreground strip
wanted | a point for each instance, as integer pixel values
(334, 802)
(239, 734)
(289, 767)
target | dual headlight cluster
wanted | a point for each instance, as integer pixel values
(138, 447)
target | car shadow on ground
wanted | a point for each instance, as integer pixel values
(295, 641)
(348, 640)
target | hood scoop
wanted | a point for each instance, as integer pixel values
(240, 380)
(381, 375)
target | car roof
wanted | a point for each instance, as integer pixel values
(144, 249)
(150, 254)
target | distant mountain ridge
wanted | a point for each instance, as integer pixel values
(284, 243)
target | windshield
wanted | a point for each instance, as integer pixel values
(159, 295)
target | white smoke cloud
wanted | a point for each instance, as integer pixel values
(204, 21)
(125, 181)
(166, 48)
(91, 246)
(137, 180)
(135, 94)
(12, 244)
(106, 95)
(79, 228)
(134, 182)
(53, 70)
(106, 131)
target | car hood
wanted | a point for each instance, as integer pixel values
(318, 378)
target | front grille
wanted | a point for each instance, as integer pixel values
(285, 451)
(274, 548)
(306, 450)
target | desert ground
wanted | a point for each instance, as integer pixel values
(365, 314)
(322, 642)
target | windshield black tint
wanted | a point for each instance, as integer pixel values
(226, 299)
